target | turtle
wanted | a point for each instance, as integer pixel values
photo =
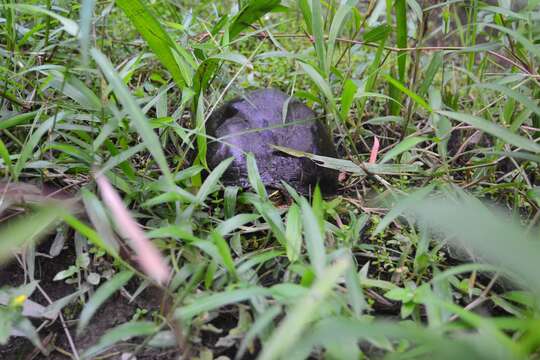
(257, 121)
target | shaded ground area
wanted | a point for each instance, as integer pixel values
(115, 311)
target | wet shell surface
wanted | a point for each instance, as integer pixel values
(259, 119)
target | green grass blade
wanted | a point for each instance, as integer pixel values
(100, 296)
(138, 119)
(120, 333)
(488, 232)
(314, 238)
(27, 229)
(397, 84)
(18, 119)
(344, 10)
(212, 180)
(85, 23)
(249, 14)
(33, 141)
(317, 29)
(157, 39)
(514, 94)
(347, 97)
(298, 318)
(254, 176)
(293, 233)
(233, 223)
(401, 207)
(494, 130)
(401, 37)
(532, 48)
(322, 84)
(214, 301)
(434, 66)
(4, 154)
(225, 252)
(272, 218)
(403, 146)
(68, 25)
(305, 8)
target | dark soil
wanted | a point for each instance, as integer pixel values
(115, 311)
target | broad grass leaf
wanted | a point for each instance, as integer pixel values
(321, 84)
(532, 48)
(156, 37)
(174, 232)
(302, 313)
(494, 129)
(75, 89)
(377, 33)
(255, 177)
(28, 229)
(415, 97)
(317, 29)
(374, 69)
(337, 330)
(506, 12)
(402, 206)
(206, 70)
(490, 234)
(233, 223)
(138, 119)
(464, 268)
(99, 218)
(188, 173)
(100, 296)
(403, 146)
(19, 119)
(33, 141)
(305, 8)
(120, 333)
(401, 37)
(178, 194)
(434, 66)
(351, 167)
(293, 233)
(260, 258)
(4, 155)
(53, 310)
(121, 157)
(262, 322)
(68, 25)
(314, 238)
(347, 97)
(249, 14)
(514, 94)
(225, 252)
(212, 180)
(272, 218)
(85, 23)
(355, 295)
(229, 201)
(214, 301)
(93, 237)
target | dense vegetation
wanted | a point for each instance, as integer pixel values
(428, 250)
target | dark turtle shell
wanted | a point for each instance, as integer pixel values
(266, 117)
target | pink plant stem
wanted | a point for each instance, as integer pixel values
(374, 151)
(148, 256)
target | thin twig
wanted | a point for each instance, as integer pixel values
(480, 299)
